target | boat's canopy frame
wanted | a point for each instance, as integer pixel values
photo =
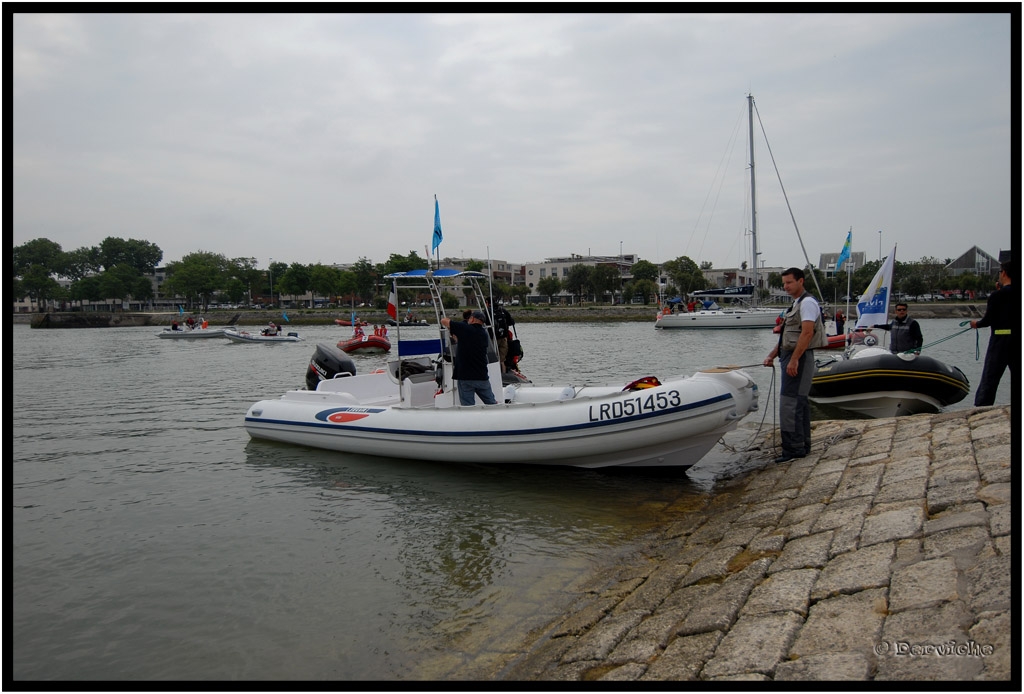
(440, 348)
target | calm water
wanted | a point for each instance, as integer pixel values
(153, 540)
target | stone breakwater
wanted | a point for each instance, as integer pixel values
(883, 555)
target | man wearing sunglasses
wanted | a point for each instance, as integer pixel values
(904, 332)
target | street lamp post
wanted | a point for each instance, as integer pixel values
(622, 294)
(879, 245)
(248, 284)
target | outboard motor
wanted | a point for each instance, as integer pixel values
(326, 362)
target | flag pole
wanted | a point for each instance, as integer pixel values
(848, 278)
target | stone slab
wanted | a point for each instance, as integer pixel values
(684, 658)
(849, 623)
(827, 667)
(925, 584)
(755, 644)
(855, 571)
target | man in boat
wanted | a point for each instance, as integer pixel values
(502, 320)
(840, 321)
(802, 332)
(904, 332)
(1002, 312)
(470, 368)
(175, 325)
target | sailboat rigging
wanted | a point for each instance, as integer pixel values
(749, 317)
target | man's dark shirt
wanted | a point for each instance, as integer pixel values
(471, 352)
(1002, 305)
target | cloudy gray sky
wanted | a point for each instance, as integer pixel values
(324, 138)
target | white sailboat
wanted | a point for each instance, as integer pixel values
(745, 317)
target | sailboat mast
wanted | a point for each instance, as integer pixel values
(753, 199)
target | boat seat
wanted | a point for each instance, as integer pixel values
(419, 393)
(426, 376)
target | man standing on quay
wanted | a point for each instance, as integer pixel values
(1003, 309)
(802, 331)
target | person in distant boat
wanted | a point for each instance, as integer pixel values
(175, 325)
(470, 368)
(802, 332)
(904, 332)
(692, 306)
(191, 323)
(1002, 312)
(840, 321)
(271, 329)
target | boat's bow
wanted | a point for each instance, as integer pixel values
(873, 382)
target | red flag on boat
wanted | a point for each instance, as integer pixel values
(393, 305)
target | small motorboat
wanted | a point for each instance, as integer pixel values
(187, 334)
(365, 344)
(410, 409)
(342, 321)
(244, 336)
(874, 382)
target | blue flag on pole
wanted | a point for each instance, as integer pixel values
(844, 255)
(285, 316)
(437, 227)
(181, 311)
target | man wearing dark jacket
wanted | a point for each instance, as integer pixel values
(1002, 312)
(470, 368)
(904, 332)
(502, 320)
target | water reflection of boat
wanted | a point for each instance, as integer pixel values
(411, 409)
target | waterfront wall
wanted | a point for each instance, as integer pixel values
(522, 314)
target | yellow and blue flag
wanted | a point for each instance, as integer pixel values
(844, 255)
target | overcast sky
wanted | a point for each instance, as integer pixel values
(324, 138)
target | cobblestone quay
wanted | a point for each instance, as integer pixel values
(883, 555)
